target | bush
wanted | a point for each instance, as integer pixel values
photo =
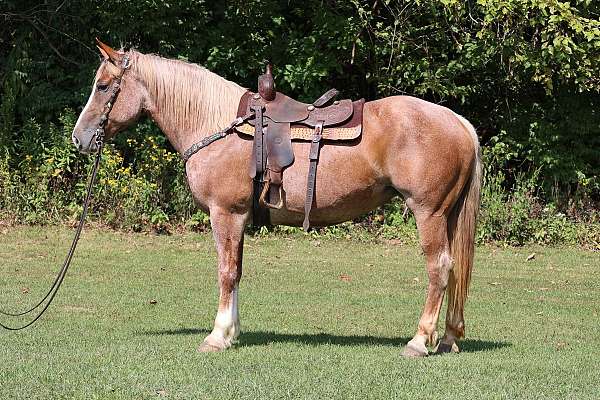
(141, 186)
(514, 213)
(524, 72)
(146, 193)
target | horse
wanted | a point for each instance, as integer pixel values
(410, 147)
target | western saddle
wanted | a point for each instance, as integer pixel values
(277, 119)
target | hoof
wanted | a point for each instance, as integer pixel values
(209, 346)
(414, 349)
(444, 348)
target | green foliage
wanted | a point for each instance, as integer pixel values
(49, 184)
(147, 191)
(518, 216)
(525, 72)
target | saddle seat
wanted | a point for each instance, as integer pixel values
(274, 115)
(284, 109)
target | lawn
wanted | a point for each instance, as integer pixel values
(321, 318)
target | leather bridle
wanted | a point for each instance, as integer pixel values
(99, 140)
(116, 88)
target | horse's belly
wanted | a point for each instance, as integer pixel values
(346, 187)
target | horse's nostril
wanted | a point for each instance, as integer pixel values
(76, 141)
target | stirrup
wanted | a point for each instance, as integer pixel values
(263, 195)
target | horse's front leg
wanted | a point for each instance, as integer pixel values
(228, 232)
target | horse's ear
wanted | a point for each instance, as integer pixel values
(108, 53)
(104, 54)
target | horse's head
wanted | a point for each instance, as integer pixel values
(127, 107)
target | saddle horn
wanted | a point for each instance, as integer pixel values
(266, 84)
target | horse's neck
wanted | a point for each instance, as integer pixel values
(191, 103)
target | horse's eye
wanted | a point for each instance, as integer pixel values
(103, 87)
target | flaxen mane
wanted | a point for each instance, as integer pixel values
(203, 100)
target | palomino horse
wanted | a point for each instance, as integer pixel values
(423, 151)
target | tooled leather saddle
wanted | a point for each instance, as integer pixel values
(277, 119)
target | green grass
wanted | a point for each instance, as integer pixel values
(533, 326)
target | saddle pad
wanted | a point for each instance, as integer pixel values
(300, 132)
(348, 130)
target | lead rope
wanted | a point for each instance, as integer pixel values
(63, 271)
(99, 139)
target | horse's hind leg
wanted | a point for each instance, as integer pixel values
(228, 232)
(434, 241)
(455, 321)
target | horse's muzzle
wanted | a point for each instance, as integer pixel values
(85, 141)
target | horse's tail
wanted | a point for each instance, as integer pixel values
(461, 233)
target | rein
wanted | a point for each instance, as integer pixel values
(63, 271)
(99, 140)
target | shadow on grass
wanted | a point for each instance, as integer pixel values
(262, 338)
